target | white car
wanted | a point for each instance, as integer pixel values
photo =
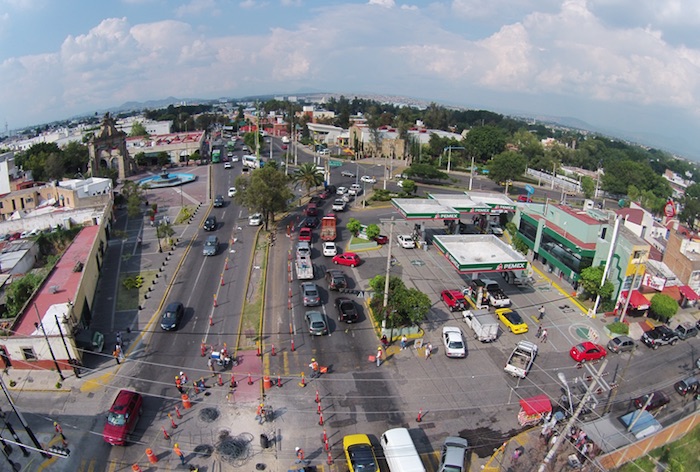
(495, 229)
(368, 180)
(227, 165)
(324, 152)
(232, 192)
(355, 189)
(406, 241)
(400, 183)
(255, 219)
(329, 249)
(338, 204)
(234, 159)
(230, 154)
(341, 190)
(454, 342)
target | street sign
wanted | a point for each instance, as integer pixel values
(529, 189)
(332, 163)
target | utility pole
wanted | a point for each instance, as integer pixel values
(557, 443)
(41, 325)
(388, 269)
(21, 419)
(71, 361)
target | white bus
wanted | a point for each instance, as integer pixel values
(252, 161)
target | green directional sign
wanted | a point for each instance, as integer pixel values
(332, 163)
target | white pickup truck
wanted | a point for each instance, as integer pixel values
(496, 297)
(521, 359)
(304, 267)
(483, 323)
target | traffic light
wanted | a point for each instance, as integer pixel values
(59, 451)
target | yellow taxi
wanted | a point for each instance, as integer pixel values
(359, 453)
(513, 321)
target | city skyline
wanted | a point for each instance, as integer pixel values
(626, 69)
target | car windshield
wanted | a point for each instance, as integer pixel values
(317, 324)
(311, 293)
(451, 468)
(346, 306)
(455, 345)
(169, 315)
(514, 318)
(361, 458)
(116, 419)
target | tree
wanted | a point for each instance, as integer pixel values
(133, 194)
(354, 226)
(308, 176)
(19, 292)
(588, 186)
(137, 129)
(405, 306)
(265, 191)
(373, 231)
(663, 306)
(506, 166)
(590, 281)
(409, 187)
(425, 171)
(483, 142)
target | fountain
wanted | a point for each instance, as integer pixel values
(166, 179)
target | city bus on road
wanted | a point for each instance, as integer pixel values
(254, 162)
(216, 156)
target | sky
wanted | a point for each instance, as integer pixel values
(629, 68)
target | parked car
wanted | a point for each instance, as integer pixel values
(210, 223)
(495, 229)
(368, 180)
(336, 280)
(122, 417)
(348, 259)
(310, 295)
(172, 315)
(406, 241)
(219, 201)
(232, 191)
(454, 342)
(359, 453)
(255, 219)
(687, 385)
(587, 351)
(686, 331)
(316, 322)
(659, 400)
(621, 344)
(305, 234)
(346, 309)
(512, 320)
(347, 173)
(329, 249)
(382, 239)
(452, 454)
(660, 336)
(454, 299)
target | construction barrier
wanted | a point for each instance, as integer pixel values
(186, 404)
(267, 383)
(152, 458)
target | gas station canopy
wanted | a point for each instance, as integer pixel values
(449, 206)
(479, 253)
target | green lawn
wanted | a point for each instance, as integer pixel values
(682, 455)
(128, 299)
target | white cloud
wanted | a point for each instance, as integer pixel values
(382, 3)
(196, 7)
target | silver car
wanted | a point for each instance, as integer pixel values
(452, 454)
(309, 292)
(621, 344)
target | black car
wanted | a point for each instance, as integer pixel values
(170, 319)
(660, 336)
(336, 280)
(219, 201)
(210, 224)
(346, 310)
(310, 222)
(686, 386)
(659, 399)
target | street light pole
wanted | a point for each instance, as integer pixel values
(386, 275)
(471, 174)
(562, 379)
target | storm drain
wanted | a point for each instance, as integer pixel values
(208, 415)
(234, 449)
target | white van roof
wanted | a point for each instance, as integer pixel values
(400, 452)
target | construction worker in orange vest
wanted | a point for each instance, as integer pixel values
(314, 368)
(178, 452)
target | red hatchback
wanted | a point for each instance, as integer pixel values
(305, 234)
(587, 351)
(123, 416)
(382, 239)
(348, 259)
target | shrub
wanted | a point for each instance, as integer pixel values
(663, 307)
(619, 328)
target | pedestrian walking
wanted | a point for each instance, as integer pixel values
(404, 340)
(119, 339)
(428, 350)
(315, 369)
(183, 377)
(59, 431)
(540, 317)
(539, 331)
(543, 336)
(210, 363)
(384, 340)
(115, 354)
(379, 356)
(178, 452)
(178, 384)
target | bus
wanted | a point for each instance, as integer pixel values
(216, 156)
(254, 162)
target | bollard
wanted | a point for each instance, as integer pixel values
(318, 408)
(165, 433)
(215, 304)
(152, 458)
(290, 292)
(233, 381)
(222, 279)
(289, 304)
(420, 416)
(135, 468)
(172, 421)
(258, 351)
(186, 404)
(330, 458)
(279, 381)
(303, 381)
(325, 437)
(320, 420)
(204, 349)
(326, 446)
(292, 345)
(177, 413)
(250, 379)
(221, 381)
(226, 264)
(211, 318)
(267, 382)
(318, 399)
(273, 353)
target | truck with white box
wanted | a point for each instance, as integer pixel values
(483, 323)
(304, 267)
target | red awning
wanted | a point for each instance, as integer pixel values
(536, 405)
(637, 300)
(688, 293)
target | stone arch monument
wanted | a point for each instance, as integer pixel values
(108, 150)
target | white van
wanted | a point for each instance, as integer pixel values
(400, 452)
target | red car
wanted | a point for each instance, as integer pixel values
(382, 239)
(348, 259)
(587, 351)
(454, 300)
(524, 198)
(122, 418)
(305, 234)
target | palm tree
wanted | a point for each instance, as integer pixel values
(307, 175)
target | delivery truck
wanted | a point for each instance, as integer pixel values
(483, 323)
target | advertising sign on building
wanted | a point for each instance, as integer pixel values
(657, 283)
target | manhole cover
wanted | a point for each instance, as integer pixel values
(208, 415)
(204, 450)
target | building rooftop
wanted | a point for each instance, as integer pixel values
(581, 215)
